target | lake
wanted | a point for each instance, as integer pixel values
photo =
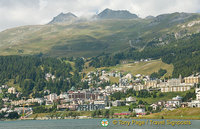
(96, 124)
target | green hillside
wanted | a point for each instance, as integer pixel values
(93, 37)
(180, 113)
(145, 68)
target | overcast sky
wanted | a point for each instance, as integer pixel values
(30, 12)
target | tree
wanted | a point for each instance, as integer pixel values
(140, 102)
(106, 113)
(94, 113)
(13, 115)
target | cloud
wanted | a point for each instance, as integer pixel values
(26, 12)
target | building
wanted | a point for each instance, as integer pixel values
(12, 90)
(154, 106)
(104, 78)
(139, 87)
(152, 83)
(52, 97)
(128, 76)
(90, 107)
(192, 79)
(139, 111)
(195, 103)
(130, 100)
(180, 88)
(63, 96)
(177, 98)
(118, 103)
(173, 103)
(197, 91)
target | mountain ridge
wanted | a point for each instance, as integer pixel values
(116, 14)
(92, 37)
(62, 17)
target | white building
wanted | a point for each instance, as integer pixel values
(173, 103)
(197, 91)
(63, 96)
(52, 97)
(117, 103)
(104, 78)
(12, 90)
(139, 110)
(195, 103)
(177, 98)
(130, 99)
(128, 76)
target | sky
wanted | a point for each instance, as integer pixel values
(14, 13)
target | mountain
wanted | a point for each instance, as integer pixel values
(61, 18)
(90, 38)
(149, 17)
(119, 14)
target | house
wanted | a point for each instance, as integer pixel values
(184, 104)
(48, 102)
(64, 96)
(138, 75)
(99, 102)
(123, 82)
(103, 72)
(4, 86)
(130, 100)
(128, 76)
(152, 83)
(52, 97)
(118, 103)
(154, 106)
(173, 103)
(104, 78)
(194, 103)
(161, 103)
(139, 111)
(62, 106)
(177, 98)
(12, 90)
(49, 75)
(197, 91)
(117, 74)
(47, 92)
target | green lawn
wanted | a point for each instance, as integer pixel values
(145, 68)
(119, 109)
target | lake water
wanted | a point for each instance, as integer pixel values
(96, 124)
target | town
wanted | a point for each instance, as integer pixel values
(101, 98)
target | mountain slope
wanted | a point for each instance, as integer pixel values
(93, 37)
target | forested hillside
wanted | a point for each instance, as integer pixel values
(29, 73)
(184, 54)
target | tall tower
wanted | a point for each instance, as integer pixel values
(180, 78)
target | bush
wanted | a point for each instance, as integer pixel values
(13, 115)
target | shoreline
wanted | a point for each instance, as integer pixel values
(45, 118)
